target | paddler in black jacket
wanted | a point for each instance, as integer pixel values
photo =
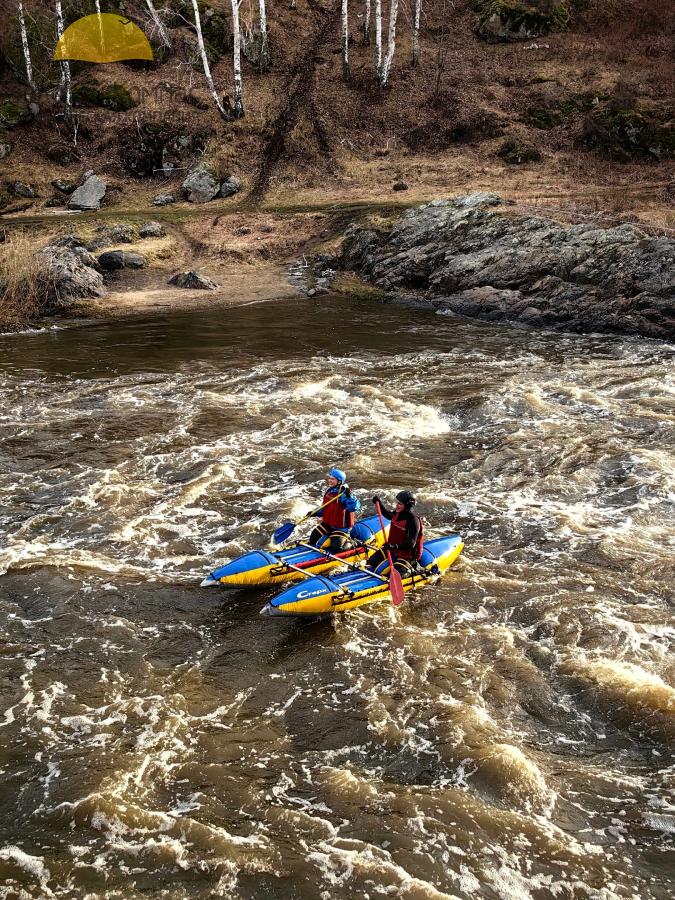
(406, 535)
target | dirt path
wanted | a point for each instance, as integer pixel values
(300, 85)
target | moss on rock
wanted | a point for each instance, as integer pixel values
(626, 134)
(13, 114)
(515, 20)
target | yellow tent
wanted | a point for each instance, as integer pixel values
(104, 38)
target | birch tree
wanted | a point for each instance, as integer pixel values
(416, 33)
(205, 60)
(236, 61)
(65, 86)
(391, 44)
(366, 24)
(26, 48)
(264, 39)
(345, 39)
(378, 37)
(159, 25)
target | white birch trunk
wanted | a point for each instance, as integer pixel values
(366, 24)
(159, 25)
(101, 34)
(264, 45)
(65, 66)
(345, 40)
(416, 33)
(205, 60)
(236, 62)
(378, 37)
(26, 49)
(391, 44)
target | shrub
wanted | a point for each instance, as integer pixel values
(516, 153)
(27, 289)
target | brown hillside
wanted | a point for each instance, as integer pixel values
(533, 119)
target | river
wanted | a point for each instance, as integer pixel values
(506, 733)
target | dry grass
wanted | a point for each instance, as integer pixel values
(26, 286)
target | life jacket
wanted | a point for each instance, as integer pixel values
(335, 515)
(398, 534)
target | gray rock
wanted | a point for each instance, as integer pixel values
(89, 195)
(5, 150)
(121, 259)
(163, 199)
(466, 256)
(65, 187)
(24, 190)
(400, 186)
(54, 202)
(229, 186)
(193, 280)
(109, 235)
(73, 271)
(201, 185)
(151, 229)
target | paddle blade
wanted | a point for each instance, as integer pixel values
(283, 532)
(396, 587)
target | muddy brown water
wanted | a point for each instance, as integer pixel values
(506, 734)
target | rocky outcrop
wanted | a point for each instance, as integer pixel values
(74, 273)
(193, 280)
(89, 194)
(519, 20)
(476, 257)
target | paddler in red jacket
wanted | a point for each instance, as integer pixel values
(337, 513)
(406, 535)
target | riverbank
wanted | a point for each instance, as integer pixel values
(478, 256)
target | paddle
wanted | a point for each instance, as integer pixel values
(284, 531)
(395, 583)
(344, 562)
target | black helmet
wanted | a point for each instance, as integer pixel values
(407, 498)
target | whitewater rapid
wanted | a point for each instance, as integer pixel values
(507, 733)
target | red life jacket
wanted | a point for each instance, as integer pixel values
(335, 515)
(398, 534)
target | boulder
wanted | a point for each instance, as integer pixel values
(54, 202)
(68, 240)
(5, 149)
(201, 185)
(24, 190)
(88, 195)
(109, 235)
(74, 272)
(151, 230)
(193, 280)
(163, 199)
(121, 259)
(230, 186)
(400, 186)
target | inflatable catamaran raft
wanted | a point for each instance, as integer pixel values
(347, 590)
(260, 568)
(318, 594)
